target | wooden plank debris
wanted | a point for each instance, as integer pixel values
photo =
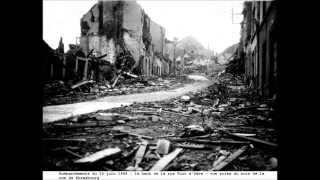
(102, 56)
(91, 51)
(163, 162)
(115, 82)
(219, 160)
(140, 153)
(171, 111)
(168, 136)
(137, 135)
(203, 136)
(192, 146)
(138, 157)
(229, 159)
(99, 155)
(255, 140)
(87, 125)
(65, 139)
(209, 141)
(244, 134)
(131, 75)
(146, 112)
(111, 116)
(81, 84)
(72, 153)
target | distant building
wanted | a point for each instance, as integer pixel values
(169, 54)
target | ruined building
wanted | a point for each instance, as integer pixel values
(260, 45)
(122, 29)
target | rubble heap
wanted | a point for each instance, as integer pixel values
(220, 128)
(58, 92)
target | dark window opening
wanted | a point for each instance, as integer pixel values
(92, 17)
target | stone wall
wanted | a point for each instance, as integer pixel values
(260, 40)
(133, 26)
(158, 37)
(99, 29)
(90, 21)
(113, 27)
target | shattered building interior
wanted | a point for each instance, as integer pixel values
(123, 28)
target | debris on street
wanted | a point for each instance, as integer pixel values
(99, 155)
(221, 163)
(149, 103)
(191, 132)
(162, 163)
(58, 92)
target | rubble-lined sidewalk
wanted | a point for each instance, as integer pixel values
(58, 92)
(224, 127)
(60, 112)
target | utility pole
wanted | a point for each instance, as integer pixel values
(174, 60)
(183, 60)
(208, 57)
(209, 50)
(175, 42)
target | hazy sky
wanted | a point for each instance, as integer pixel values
(208, 21)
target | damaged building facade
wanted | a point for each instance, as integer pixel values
(260, 45)
(122, 31)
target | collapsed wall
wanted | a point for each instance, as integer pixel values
(93, 35)
(120, 28)
(133, 30)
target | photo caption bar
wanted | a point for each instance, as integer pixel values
(119, 175)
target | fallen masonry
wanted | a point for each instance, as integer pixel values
(58, 92)
(223, 127)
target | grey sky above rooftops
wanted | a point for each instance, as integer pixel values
(210, 22)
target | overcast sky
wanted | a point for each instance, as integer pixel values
(208, 21)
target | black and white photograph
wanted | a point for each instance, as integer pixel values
(159, 85)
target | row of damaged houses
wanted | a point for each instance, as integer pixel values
(122, 28)
(257, 56)
(116, 36)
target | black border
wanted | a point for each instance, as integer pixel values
(24, 112)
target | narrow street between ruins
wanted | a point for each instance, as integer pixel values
(59, 112)
(160, 86)
(197, 131)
